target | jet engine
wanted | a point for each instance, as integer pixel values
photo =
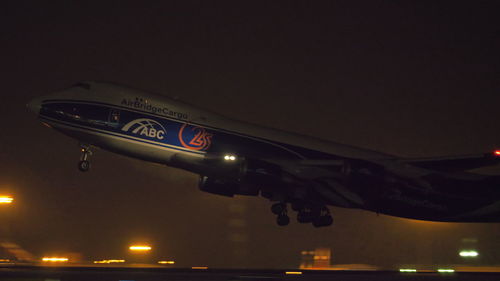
(226, 187)
(230, 168)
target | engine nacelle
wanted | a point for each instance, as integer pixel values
(260, 172)
(217, 186)
(230, 168)
(226, 187)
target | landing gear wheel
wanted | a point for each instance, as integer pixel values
(283, 220)
(278, 208)
(323, 221)
(83, 165)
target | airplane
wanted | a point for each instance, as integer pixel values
(292, 171)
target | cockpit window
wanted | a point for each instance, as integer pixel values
(86, 86)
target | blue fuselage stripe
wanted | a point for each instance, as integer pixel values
(287, 149)
(51, 120)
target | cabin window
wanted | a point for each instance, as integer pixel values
(114, 116)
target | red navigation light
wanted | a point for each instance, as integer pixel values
(496, 153)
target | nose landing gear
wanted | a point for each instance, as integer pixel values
(84, 163)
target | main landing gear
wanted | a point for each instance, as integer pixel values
(319, 217)
(84, 163)
(323, 219)
(280, 210)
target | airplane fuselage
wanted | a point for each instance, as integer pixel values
(252, 160)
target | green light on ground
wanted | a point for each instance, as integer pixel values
(446, 270)
(407, 270)
(469, 254)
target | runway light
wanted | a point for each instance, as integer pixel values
(110, 261)
(446, 270)
(140, 248)
(407, 270)
(6, 199)
(166, 262)
(54, 259)
(293, 272)
(469, 254)
(199, 267)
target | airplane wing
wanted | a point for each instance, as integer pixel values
(311, 184)
(455, 163)
(327, 176)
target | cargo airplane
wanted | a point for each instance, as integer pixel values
(295, 172)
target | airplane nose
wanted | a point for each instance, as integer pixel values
(35, 105)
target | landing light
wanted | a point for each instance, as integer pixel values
(496, 153)
(229, 157)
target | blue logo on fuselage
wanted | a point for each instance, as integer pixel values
(146, 128)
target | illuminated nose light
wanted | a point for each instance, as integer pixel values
(5, 199)
(140, 248)
(496, 152)
(229, 157)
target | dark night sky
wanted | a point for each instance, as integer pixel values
(412, 78)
